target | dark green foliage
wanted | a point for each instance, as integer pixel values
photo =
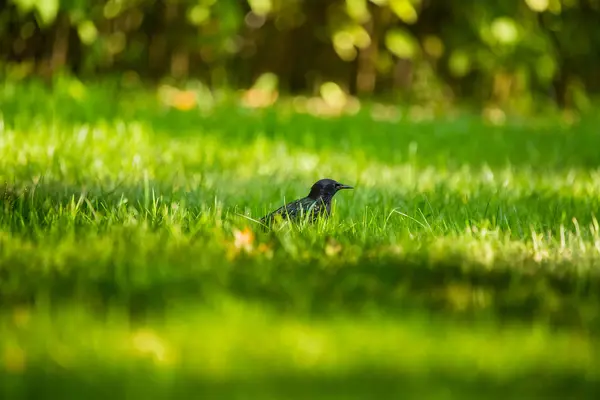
(514, 53)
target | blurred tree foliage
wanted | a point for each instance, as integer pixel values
(510, 52)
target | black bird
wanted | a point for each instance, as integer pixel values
(318, 202)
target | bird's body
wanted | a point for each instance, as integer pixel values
(299, 208)
(317, 203)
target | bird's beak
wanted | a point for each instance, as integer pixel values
(344, 187)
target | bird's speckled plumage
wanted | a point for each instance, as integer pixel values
(318, 202)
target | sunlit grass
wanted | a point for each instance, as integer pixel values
(463, 247)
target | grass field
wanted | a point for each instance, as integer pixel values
(465, 264)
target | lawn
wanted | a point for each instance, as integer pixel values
(465, 263)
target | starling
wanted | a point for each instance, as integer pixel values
(318, 202)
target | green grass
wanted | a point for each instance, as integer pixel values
(465, 262)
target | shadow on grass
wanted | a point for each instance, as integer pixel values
(511, 290)
(37, 383)
(449, 143)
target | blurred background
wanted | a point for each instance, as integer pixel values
(520, 55)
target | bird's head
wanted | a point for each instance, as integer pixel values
(326, 188)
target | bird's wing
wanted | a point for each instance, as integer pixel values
(292, 209)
